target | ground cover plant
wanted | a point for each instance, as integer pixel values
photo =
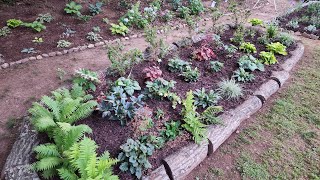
(303, 19)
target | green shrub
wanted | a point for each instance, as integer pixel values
(248, 47)
(191, 75)
(285, 39)
(242, 75)
(92, 36)
(267, 58)
(203, 99)
(192, 121)
(178, 65)
(95, 8)
(129, 85)
(229, 89)
(13, 23)
(277, 48)
(119, 29)
(35, 25)
(183, 12)
(134, 157)
(196, 7)
(238, 35)
(248, 62)
(134, 17)
(272, 31)
(172, 130)
(216, 66)
(73, 8)
(86, 79)
(311, 28)
(256, 22)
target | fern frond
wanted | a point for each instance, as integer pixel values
(43, 123)
(87, 148)
(83, 111)
(65, 127)
(52, 105)
(75, 134)
(38, 110)
(47, 163)
(46, 150)
(87, 98)
(91, 170)
(48, 174)
(66, 174)
(68, 106)
(77, 91)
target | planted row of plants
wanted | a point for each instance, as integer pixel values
(158, 97)
(303, 19)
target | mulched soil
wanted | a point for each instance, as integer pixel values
(27, 11)
(109, 135)
(295, 15)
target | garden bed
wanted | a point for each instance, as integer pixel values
(304, 19)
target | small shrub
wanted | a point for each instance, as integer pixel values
(13, 23)
(35, 25)
(191, 119)
(152, 73)
(73, 8)
(129, 85)
(204, 53)
(229, 89)
(311, 28)
(178, 65)
(285, 39)
(119, 29)
(191, 75)
(92, 36)
(86, 79)
(209, 116)
(42, 18)
(248, 47)
(216, 66)
(183, 12)
(256, 22)
(238, 36)
(150, 13)
(28, 50)
(63, 44)
(248, 62)
(243, 76)
(167, 15)
(4, 31)
(203, 99)
(95, 8)
(134, 17)
(267, 58)
(196, 7)
(277, 48)
(134, 157)
(172, 130)
(293, 24)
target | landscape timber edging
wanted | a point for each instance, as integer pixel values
(298, 33)
(179, 164)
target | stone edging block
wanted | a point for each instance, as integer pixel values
(296, 56)
(266, 90)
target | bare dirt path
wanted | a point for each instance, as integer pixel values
(24, 84)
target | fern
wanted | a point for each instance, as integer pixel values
(192, 120)
(209, 115)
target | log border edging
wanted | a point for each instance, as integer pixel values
(171, 168)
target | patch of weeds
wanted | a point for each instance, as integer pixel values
(250, 169)
(216, 171)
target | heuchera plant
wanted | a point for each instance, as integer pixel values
(152, 73)
(203, 54)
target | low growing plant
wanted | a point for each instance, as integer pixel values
(86, 79)
(311, 28)
(216, 66)
(173, 129)
(256, 22)
(285, 39)
(92, 36)
(134, 157)
(267, 58)
(152, 73)
(243, 76)
(231, 49)
(63, 44)
(191, 119)
(272, 30)
(196, 7)
(277, 48)
(209, 116)
(229, 89)
(141, 122)
(13, 23)
(73, 8)
(238, 35)
(191, 75)
(42, 18)
(204, 53)
(119, 29)
(159, 114)
(95, 8)
(204, 99)
(293, 24)
(4, 31)
(183, 12)
(247, 47)
(248, 62)
(157, 141)
(28, 50)
(178, 65)
(37, 40)
(35, 25)
(134, 17)
(129, 85)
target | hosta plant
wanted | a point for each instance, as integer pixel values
(129, 85)
(173, 129)
(242, 75)
(293, 24)
(277, 48)
(178, 65)
(118, 106)
(256, 22)
(28, 50)
(311, 28)
(248, 62)
(152, 73)
(204, 53)
(191, 75)
(229, 89)
(192, 121)
(95, 8)
(63, 44)
(161, 88)
(248, 47)
(73, 8)
(216, 66)
(134, 157)
(35, 25)
(209, 116)
(119, 29)
(93, 36)
(205, 99)
(13, 23)
(45, 18)
(157, 141)
(267, 58)
(86, 79)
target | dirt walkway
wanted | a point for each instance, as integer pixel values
(24, 84)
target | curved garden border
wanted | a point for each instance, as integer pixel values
(298, 33)
(179, 164)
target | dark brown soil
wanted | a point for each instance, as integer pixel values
(109, 135)
(27, 11)
(295, 15)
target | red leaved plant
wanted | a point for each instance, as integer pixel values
(152, 73)
(203, 54)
